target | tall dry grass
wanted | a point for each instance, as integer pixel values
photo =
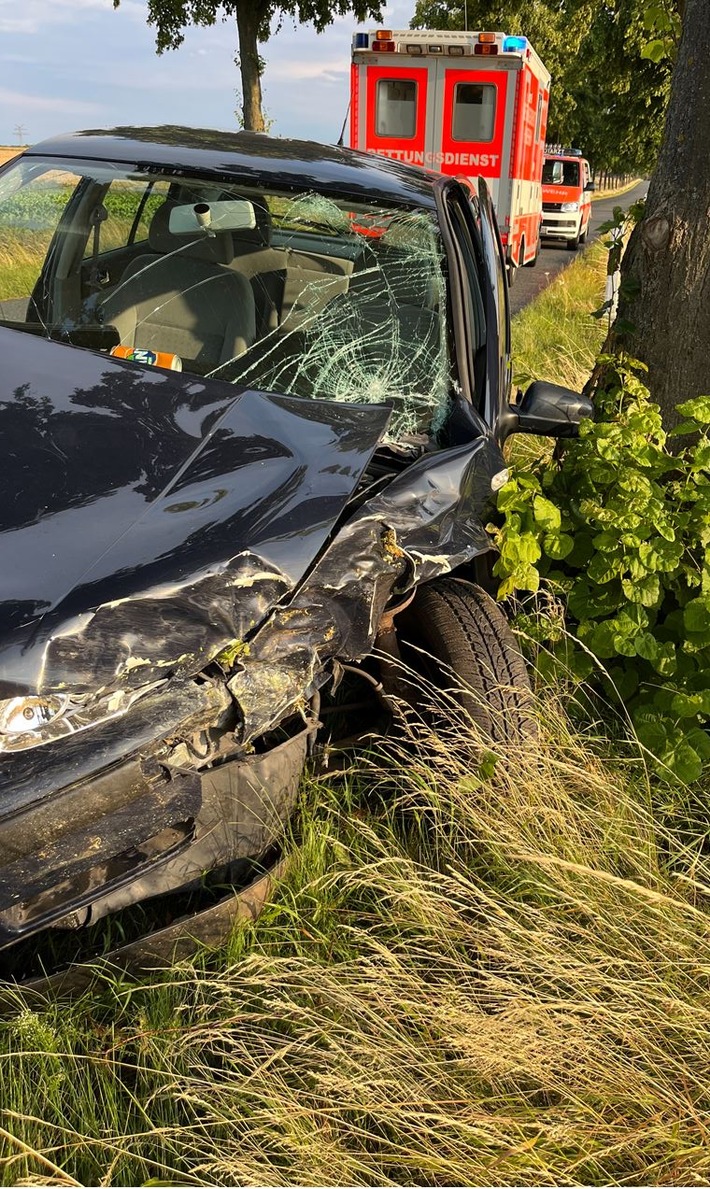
(462, 981)
(555, 337)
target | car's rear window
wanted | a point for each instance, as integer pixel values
(294, 293)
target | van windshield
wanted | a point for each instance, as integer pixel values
(560, 173)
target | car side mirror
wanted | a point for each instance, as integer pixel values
(590, 186)
(549, 410)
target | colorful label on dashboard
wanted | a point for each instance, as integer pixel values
(149, 358)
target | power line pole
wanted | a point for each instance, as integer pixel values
(20, 134)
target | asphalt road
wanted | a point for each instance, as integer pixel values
(531, 281)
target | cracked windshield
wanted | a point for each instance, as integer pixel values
(295, 294)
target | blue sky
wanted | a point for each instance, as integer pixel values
(68, 64)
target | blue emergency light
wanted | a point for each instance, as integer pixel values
(515, 45)
(361, 41)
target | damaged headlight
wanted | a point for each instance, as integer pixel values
(20, 715)
(42, 718)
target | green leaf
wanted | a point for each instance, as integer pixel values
(647, 646)
(546, 514)
(646, 591)
(696, 616)
(656, 50)
(698, 408)
(652, 733)
(558, 545)
(699, 740)
(683, 761)
(660, 554)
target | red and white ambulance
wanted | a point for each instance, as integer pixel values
(566, 202)
(463, 103)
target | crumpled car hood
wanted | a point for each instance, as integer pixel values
(149, 519)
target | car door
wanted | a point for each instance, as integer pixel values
(500, 366)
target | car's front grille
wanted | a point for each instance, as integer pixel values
(552, 206)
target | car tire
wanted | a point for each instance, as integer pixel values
(466, 638)
(573, 244)
(521, 253)
(584, 234)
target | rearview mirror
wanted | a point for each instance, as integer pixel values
(590, 186)
(549, 410)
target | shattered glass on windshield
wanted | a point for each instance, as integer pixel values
(299, 295)
(373, 333)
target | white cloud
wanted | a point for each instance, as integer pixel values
(37, 15)
(300, 69)
(49, 103)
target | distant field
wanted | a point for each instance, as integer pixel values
(7, 152)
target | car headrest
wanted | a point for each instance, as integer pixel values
(217, 248)
(259, 236)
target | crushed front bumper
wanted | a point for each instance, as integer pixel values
(99, 833)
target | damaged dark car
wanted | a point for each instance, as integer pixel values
(253, 399)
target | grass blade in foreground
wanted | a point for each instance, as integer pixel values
(461, 983)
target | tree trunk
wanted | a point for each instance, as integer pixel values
(664, 311)
(248, 21)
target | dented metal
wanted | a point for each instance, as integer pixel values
(187, 561)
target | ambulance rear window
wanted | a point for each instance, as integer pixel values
(474, 112)
(396, 113)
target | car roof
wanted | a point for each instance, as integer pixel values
(253, 158)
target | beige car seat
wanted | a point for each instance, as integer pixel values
(183, 299)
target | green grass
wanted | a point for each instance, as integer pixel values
(555, 337)
(460, 982)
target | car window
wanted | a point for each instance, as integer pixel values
(29, 217)
(294, 293)
(472, 258)
(129, 207)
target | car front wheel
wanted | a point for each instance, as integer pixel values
(459, 640)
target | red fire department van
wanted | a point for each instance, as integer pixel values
(566, 204)
(463, 103)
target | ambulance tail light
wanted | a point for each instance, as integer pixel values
(486, 49)
(515, 45)
(486, 38)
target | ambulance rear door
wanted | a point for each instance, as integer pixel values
(390, 99)
(471, 129)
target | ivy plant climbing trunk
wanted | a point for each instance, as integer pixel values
(664, 310)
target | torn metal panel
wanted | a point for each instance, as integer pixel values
(428, 521)
(160, 517)
(246, 803)
(29, 778)
(157, 836)
(176, 942)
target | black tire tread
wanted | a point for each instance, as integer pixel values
(462, 626)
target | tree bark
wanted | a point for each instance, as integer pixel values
(664, 307)
(248, 21)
